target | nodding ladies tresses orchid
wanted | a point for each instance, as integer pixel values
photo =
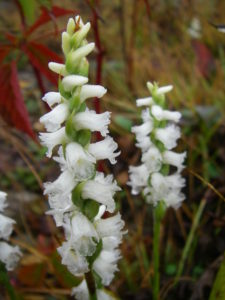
(9, 255)
(156, 136)
(79, 197)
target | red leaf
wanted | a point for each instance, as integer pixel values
(205, 62)
(12, 107)
(39, 56)
(49, 15)
(4, 51)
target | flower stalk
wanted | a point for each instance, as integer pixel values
(155, 178)
(81, 195)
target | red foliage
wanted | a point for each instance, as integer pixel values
(39, 56)
(12, 107)
(49, 15)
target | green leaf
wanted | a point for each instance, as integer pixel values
(76, 195)
(83, 137)
(92, 258)
(90, 209)
(29, 8)
(218, 289)
(64, 275)
(70, 130)
(123, 122)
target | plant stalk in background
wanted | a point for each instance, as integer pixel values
(156, 137)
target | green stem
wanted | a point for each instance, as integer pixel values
(190, 238)
(158, 214)
(91, 285)
(4, 280)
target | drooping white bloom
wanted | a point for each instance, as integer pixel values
(75, 262)
(152, 159)
(6, 226)
(71, 81)
(55, 117)
(161, 114)
(52, 98)
(138, 178)
(83, 233)
(105, 264)
(156, 137)
(65, 183)
(104, 150)
(3, 203)
(9, 255)
(52, 139)
(92, 121)
(111, 226)
(79, 162)
(168, 135)
(81, 293)
(91, 91)
(174, 159)
(102, 190)
(164, 89)
(144, 101)
(58, 68)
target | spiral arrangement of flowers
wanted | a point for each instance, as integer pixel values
(81, 195)
(156, 137)
(9, 255)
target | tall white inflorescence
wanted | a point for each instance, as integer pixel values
(81, 195)
(9, 255)
(156, 137)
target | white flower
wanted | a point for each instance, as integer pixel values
(168, 135)
(52, 139)
(79, 161)
(144, 101)
(81, 52)
(164, 89)
(91, 91)
(111, 226)
(6, 226)
(166, 188)
(52, 98)
(105, 265)
(104, 150)
(9, 255)
(102, 190)
(138, 178)
(75, 262)
(174, 159)
(152, 159)
(161, 114)
(81, 235)
(58, 68)
(71, 81)
(59, 189)
(92, 121)
(143, 142)
(56, 117)
(81, 291)
(3, 203)
(147, 126)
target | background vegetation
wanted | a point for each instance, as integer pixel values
(136, 41)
